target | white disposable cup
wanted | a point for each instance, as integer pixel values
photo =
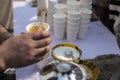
(72, 20)
(31, 25)
(49, 19)
(73, 14)
(71, 36)
(60, 11)
(72, 33)
(41, 64)
(84, 4)
(52, 4)
(85, 21)
(86, 1)
(71, 24)
(60, 8)
(60, 29)
(85, 12)
(55, 20)
(83, 31)
(42, 4)
(82, 16)
(58, 17)
(59, 33)
(73, 5)
(62, 25)
(62, 1)
(85, 16)
(70, 0)
(73, 28)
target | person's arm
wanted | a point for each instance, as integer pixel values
(2, 65)
(4, 34)
(24, 49)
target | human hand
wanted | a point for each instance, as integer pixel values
(24, 49)
(4, 34)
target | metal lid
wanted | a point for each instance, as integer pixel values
(67, 52)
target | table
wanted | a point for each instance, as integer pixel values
(99, 40)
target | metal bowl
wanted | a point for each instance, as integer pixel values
(62, 70)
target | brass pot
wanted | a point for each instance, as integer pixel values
(66, 52)
(92, 70)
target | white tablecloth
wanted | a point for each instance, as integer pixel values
(99, 40)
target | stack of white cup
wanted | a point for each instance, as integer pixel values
(73, 24)
(85, 15)
(62, 1)
(50, 12)
(86, 4)
(59, 20)
(60, 8)
(70, 0)
(73, 5)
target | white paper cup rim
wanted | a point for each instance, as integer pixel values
(71, 18)
(73, 12)
(84, 2)
(85, 10)
(36, 23)
(60, 6)
(73, 23)
(59, 15)
(73, 3)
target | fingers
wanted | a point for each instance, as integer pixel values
(42, 42)
(41, 52)
(40, 35)
(34, 60)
